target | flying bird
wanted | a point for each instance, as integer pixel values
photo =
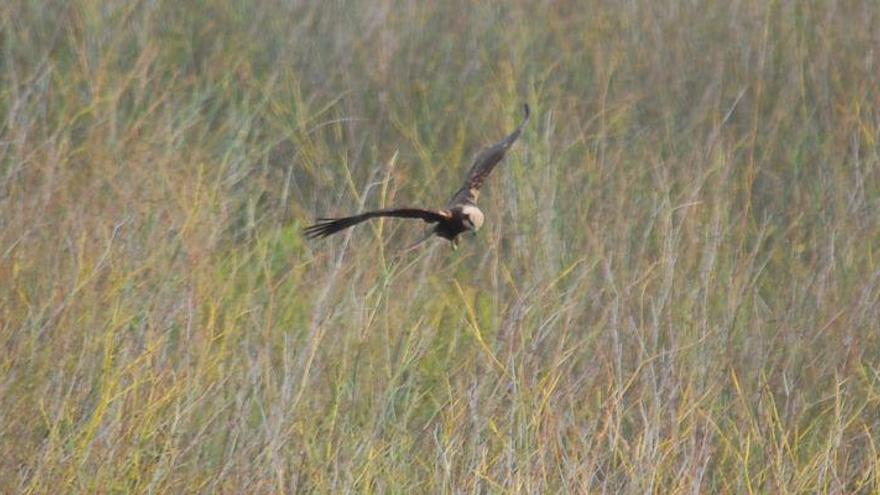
(460, 214)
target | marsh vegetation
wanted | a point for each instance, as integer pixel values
(676, 290)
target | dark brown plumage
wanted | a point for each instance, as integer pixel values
(329, 226)
(460, 214)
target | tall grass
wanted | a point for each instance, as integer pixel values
(677, 289)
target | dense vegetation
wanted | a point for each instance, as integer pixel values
(677, 288)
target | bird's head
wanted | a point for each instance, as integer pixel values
(473, 218)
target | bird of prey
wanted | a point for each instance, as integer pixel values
(460, 214)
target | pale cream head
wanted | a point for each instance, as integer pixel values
(473, 217)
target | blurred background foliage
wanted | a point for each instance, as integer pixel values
(677, 288)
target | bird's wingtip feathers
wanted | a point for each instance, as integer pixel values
(323, 227)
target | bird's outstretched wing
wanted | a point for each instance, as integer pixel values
(483, 165)
(330, 226)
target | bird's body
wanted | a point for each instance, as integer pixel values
(458, 222)
(460, 214)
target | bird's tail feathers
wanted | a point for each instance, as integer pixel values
(428, 235)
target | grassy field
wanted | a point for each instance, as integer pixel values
(677, 289)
